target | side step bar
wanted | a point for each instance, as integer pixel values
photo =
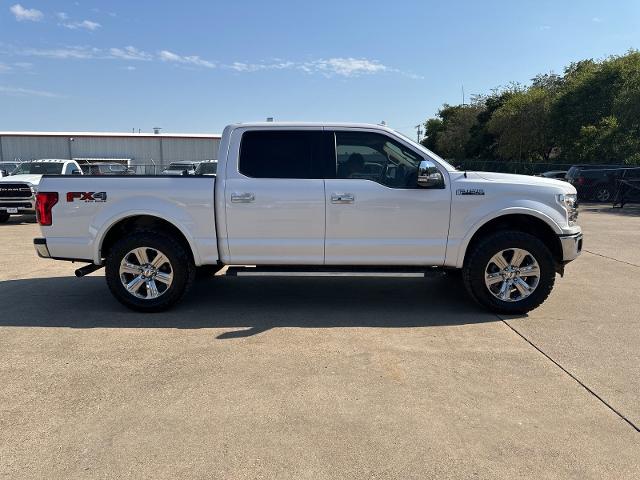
(249, 270)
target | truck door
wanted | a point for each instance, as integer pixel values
(274, 198)
(376, 212)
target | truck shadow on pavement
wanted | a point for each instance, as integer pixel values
(253, 304)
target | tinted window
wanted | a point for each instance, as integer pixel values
(207, 168)
(281, 154)
(376, 157)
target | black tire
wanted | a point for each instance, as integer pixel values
(602, 193)
(182, 267)
(454, 274)
(207, 271)
(477, 260)
(4, 217)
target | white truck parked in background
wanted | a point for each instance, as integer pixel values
(315, 196)
(17, 191)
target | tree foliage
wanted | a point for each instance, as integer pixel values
(590, 113)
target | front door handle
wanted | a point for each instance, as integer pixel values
(342, 198)
(245, 197)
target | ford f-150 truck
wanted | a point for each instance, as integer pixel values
(318, 197)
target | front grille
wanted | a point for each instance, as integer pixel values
(15, 190)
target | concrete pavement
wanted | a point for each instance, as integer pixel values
(329, 377)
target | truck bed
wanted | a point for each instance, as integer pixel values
(89, 205)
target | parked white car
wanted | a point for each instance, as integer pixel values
(180, 168)
(317, 197)
(17, 191)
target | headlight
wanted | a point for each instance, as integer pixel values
(570, 203)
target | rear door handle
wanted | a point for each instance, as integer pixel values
(342, 198)
(245, 197)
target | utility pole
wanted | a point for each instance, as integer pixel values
(463, 94)
(419, 129)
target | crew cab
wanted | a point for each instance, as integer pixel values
(17, 191)
(315, 197)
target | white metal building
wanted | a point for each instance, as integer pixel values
(131, 148)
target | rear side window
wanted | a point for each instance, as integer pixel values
(281, 154)
(573, 172)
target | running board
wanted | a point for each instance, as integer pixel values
(327, 270)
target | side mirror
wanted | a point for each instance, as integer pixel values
(429, 176)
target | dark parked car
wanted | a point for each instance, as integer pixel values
(106, 169)
(557, 174)
(599, 182)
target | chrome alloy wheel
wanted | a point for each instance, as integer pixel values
(512, 275)
(146, 273)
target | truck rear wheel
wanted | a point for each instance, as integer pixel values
(149, 271)
(509, 272)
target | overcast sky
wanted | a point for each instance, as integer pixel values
(195, 66)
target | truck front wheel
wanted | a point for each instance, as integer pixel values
(149, 271)
(509, 272)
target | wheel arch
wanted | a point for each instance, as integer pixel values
(544, 229)
(142, 222)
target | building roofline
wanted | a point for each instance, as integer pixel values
(212, 136)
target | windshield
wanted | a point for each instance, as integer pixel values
(49, 168)
(9, 167)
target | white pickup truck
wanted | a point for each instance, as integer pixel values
(318, 197)
(17, 191)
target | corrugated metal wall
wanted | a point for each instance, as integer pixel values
(139, 150)
(178, 149)
(28, 148)
(160, 150)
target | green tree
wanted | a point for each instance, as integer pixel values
(595, 117)
(521, 125)
(591, 113)
(432, 128)
(449, 133)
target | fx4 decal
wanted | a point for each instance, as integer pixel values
(87, 196)
(470, 191)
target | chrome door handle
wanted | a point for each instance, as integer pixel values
(342, 198)
(243, 197)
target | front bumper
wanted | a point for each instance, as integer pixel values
(571, 246)
(18, 205)
(40, 245)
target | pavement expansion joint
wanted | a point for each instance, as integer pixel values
(611, 258)
(576, 379)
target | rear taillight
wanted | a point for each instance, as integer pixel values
(44, 203)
